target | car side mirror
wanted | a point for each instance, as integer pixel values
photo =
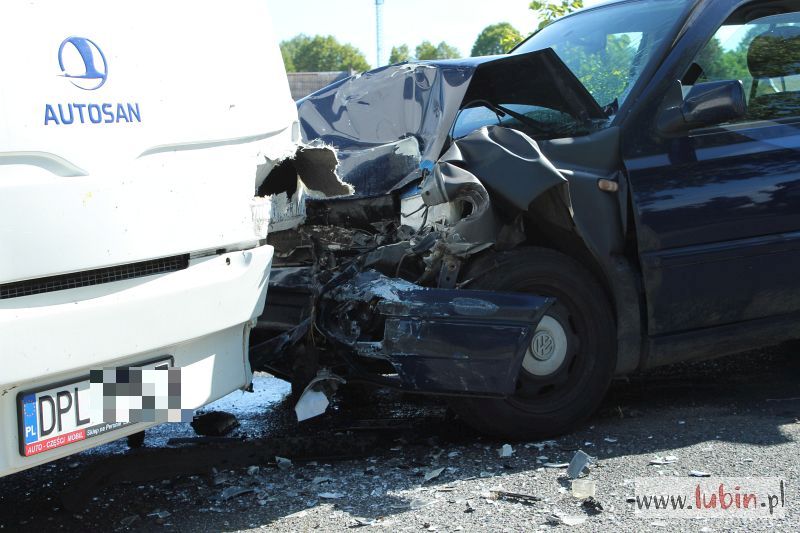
(707, 104)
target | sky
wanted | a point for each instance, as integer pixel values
(405, 21)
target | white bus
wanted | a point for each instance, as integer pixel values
(133, 138)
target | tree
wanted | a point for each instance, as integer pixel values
(427, 51)
(321, 54)
(549, 11)
(399, 54)
(290, 48)
(496, 39)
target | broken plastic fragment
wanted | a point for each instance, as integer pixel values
(314, 400)
(584, 488)
(578, 464)
(555, 465)
(506, 451)
(331, 495)
(698, 473)
(283, 463)
(311, 405)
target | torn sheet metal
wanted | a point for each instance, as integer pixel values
(311, 173)
(369, 118)
(438, 341)
(507, 162)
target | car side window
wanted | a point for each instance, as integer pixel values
(764, 53)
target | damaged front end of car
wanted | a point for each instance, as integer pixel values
(377, 248)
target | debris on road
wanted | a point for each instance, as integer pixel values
(331, 495)
(233, 492)
(592, 507)
(542, 445)
(699, 473)
(513, 497)
(662, 461)
(283, 463)
(159, 514)
(611, 440)
(363, 522)
(579, 463)
(214, 424)
(128, 521)
(316, 397)
(584, 488)
(506, 451)
(555, 465)
(559, 519)
(433, 474)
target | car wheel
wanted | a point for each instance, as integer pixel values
(570, 363)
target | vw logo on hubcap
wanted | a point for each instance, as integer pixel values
(543, 346)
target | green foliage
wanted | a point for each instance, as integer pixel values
(720, 64)
(549, 11)
(605, 72)
(399, 54)
(496, 39)
(321, 54)
(427, 51)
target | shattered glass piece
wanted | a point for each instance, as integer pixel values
(233, 492)
(331, 495)
(433, 474)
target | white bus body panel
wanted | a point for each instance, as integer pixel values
(133, 132)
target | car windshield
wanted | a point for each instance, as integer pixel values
(606, 48)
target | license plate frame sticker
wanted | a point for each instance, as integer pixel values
(57, 415)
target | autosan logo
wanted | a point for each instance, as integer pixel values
(83, 63)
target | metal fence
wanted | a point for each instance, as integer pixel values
(304, 83)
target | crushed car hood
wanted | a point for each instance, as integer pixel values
(388, 123)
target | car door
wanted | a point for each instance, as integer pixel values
(717, 210)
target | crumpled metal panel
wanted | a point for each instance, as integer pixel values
(369, 118)
(507, 162)
(439, 340)
(365, 116)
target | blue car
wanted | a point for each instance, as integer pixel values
(620, 192)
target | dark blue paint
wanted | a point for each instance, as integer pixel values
(717, 210)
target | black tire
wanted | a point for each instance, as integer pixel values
(551, 405)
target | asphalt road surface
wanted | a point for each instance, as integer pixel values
(379, 460)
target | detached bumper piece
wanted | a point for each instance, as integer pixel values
(439, 341)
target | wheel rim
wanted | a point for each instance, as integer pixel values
(548, 349)
(556, 381)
